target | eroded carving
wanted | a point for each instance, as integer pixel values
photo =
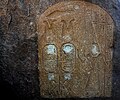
(50, 57)
(80, 61)
(68, 57)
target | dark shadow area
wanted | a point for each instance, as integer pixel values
(116, 66)
(7, 91)
(77, 98)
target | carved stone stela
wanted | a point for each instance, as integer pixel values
(75, 51)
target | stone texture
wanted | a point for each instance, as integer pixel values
(76, 38)
(18, 46)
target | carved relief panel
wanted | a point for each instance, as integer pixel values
(74, 49)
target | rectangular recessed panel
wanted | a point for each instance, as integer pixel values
(74, 49)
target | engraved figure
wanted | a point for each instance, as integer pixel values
(75, 50)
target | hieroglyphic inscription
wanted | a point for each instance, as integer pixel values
(75, 51)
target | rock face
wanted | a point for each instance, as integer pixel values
(18, 46)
